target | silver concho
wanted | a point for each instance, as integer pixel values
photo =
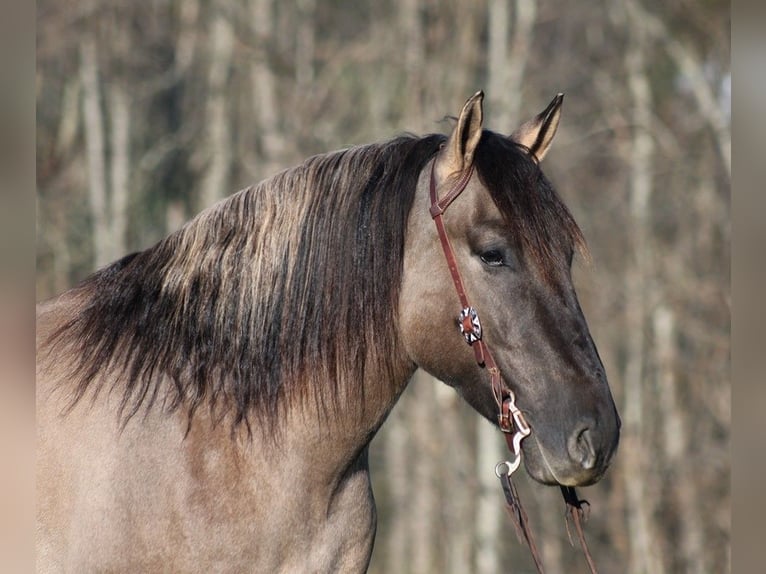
(469, 324)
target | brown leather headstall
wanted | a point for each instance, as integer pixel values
(510, 419)
(469, 323)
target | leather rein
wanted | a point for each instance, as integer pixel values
(510, 418)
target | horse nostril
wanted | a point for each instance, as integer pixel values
(581, 448)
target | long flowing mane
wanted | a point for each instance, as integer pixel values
(284, 284)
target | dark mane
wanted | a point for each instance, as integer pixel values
(285, 283)
(538, 219)
(259, 293)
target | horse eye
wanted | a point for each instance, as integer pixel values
(493, 258)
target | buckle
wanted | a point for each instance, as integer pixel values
(512, 419)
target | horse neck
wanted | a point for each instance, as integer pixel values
(333, 438)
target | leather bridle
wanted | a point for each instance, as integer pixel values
(509, 416)
(510, 419)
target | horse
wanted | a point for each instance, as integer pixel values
(207, 404)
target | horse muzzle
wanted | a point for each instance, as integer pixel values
(579, 459)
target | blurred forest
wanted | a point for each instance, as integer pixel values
(149, 111)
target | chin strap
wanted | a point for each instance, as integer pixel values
(510, 418)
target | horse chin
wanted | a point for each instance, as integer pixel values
(540, 465)
(536, 465)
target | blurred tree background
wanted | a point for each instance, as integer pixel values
(149, 111)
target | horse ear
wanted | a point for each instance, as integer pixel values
(457, 154)
(537, 133)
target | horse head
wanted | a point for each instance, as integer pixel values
(513, 242)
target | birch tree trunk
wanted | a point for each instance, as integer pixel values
(498, 27)
(466, 51)
(692, 70)
(70, 116)
(379, 97)
(187, 35)
(411, 28)
(397, 556)
(62, 259)
(508, 54)
(95, 152)
(550, 526)
(640, 497)
(422, 521)
(489, 446)
(676, 442)
(305, 47)
(66, 136)
(489, 505)
(219, 142)
(119, 111)
(459, 491)
(264, 86)
(304, 87)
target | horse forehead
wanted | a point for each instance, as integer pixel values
(477, 204)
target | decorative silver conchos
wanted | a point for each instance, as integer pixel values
(469, 324)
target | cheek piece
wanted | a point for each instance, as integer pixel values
(509, 416)
(510, 419)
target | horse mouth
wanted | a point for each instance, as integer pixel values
(546, 468)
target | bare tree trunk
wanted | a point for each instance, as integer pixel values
(521, 45)
(395, 451)
(506, 68)
(70, 116)
(303, 95)
(62, 260)
(175, 216)
(550, 510)
(489, 510)
(264, 86)
(640, 497)
(187, 35)
(489, 447)
(676, 443)
(465, 52)
(219, 144)
(379, 95)
(712, 216)
(94, 139)
(411, 28)
(305, 47)
(691, 69)
(422, 521)
(460, 493)
(499, 24)
(66, 137)
(119, 110)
